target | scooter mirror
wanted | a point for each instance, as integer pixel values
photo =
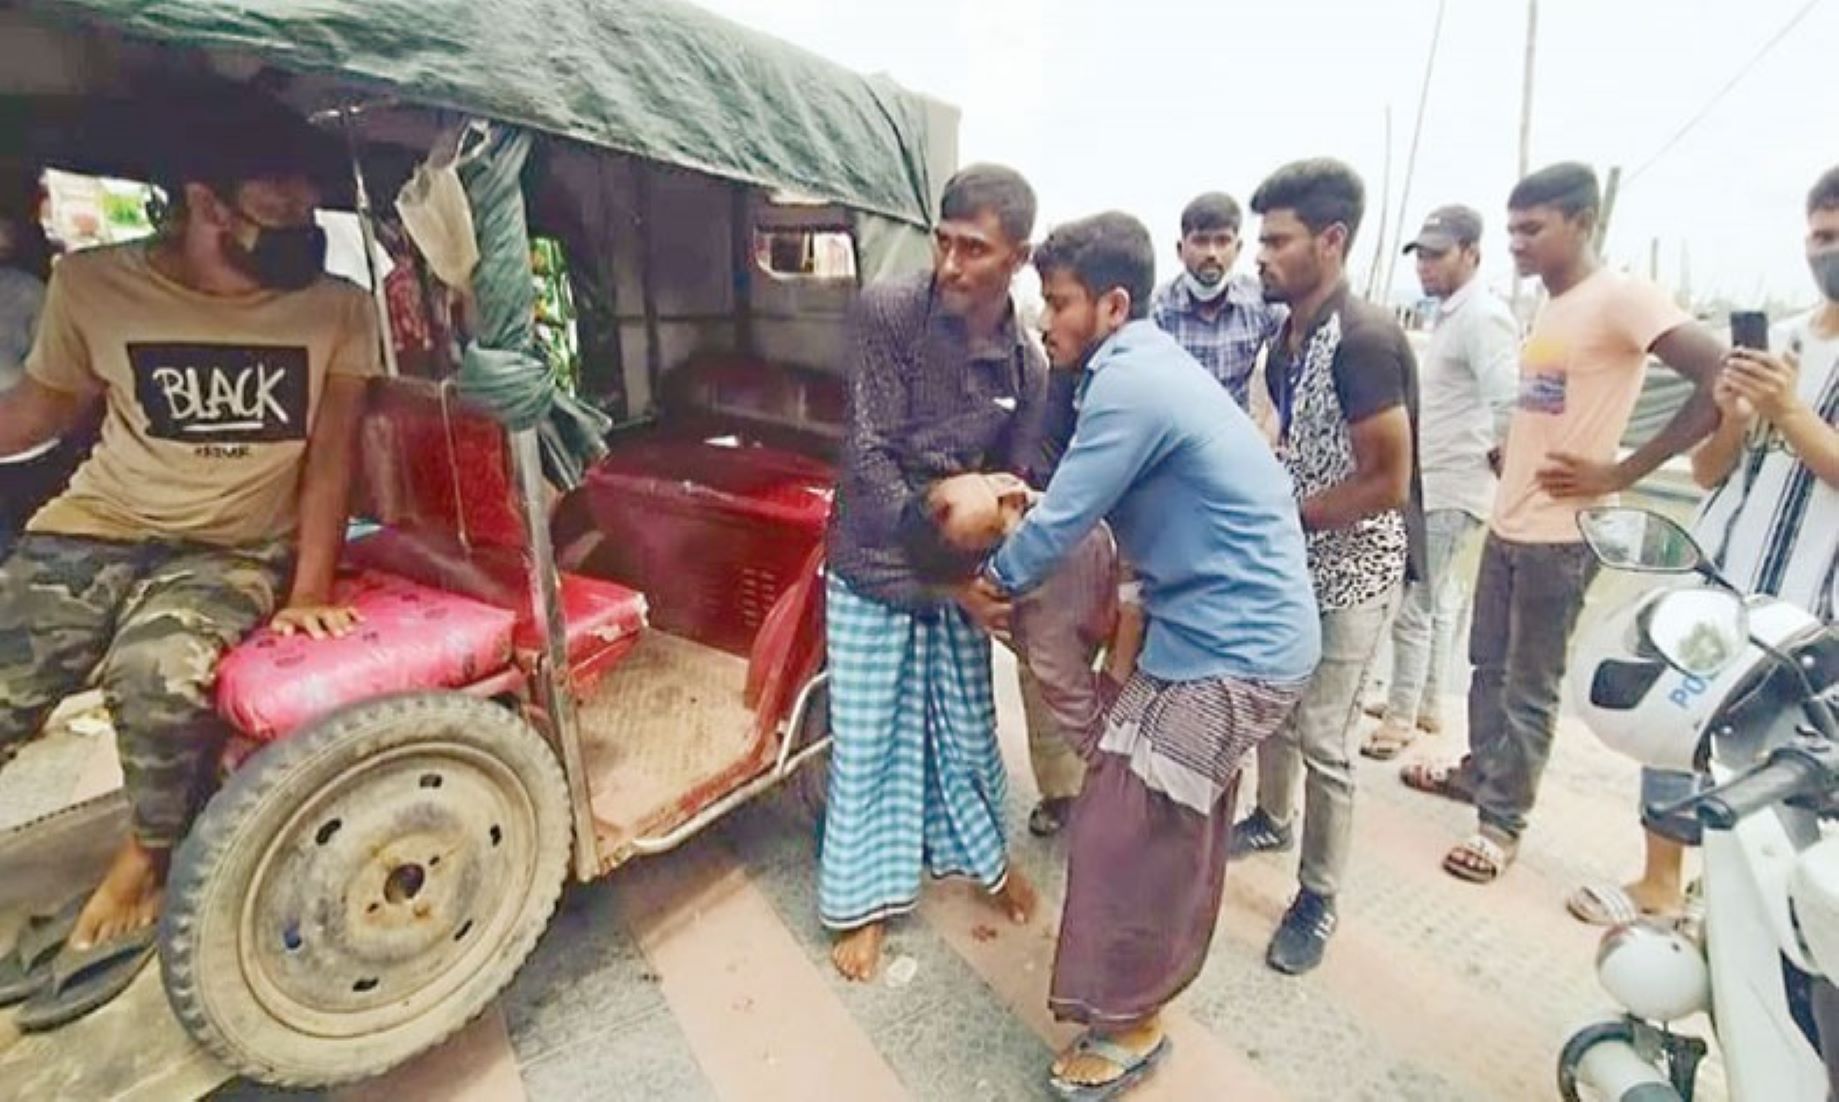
(1635, 539)
(1699, 631)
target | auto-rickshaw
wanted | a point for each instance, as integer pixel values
(587, 547)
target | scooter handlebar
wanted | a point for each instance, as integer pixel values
(1783, 777)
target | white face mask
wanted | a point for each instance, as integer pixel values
(1202, 291)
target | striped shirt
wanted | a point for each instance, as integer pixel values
(1772, 526)
(1227, 344)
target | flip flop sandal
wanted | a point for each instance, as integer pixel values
(27, 969)
(1388, 741)
(1693, 910)
(1437, 780)
(1135, 1066)
(1480, 860)
(1602, 904)
(85, 980)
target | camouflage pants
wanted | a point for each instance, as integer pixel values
(146, 622)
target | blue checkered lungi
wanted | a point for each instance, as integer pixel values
(916, 778)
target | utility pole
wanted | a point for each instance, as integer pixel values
(1385, 210)
(1609, 208)
(1417, 133)
(1526, 104)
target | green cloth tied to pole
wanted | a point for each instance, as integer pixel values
(500, 371)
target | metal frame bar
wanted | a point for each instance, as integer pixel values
(796, 721)
(606, 280)
(740, 243)
(648, 263)
(663, 843)
(554, 693)
(368, 234)
(787, 764)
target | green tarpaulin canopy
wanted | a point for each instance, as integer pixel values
(657, 79)
(500, 370)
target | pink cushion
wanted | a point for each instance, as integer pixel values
(411, 637)
(597, 613)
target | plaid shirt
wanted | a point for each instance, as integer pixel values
(1227, 346)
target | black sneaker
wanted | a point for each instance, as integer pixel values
(1048, 817)
(1303, 935)
(1256, 833)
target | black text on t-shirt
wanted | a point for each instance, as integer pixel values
(221, 393)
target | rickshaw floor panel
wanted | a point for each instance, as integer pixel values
(661, 725)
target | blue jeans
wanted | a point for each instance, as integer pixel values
(1426, 621)
(1527, 599)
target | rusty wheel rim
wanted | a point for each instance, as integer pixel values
(391, 886)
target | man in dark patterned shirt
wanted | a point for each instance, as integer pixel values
(941, 381)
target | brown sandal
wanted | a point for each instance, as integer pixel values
(1388, 741)
(1438, 780)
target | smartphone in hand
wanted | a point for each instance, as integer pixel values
(1749, 329)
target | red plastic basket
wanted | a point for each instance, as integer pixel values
(712, 535)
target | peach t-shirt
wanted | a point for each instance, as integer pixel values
(1580, 374)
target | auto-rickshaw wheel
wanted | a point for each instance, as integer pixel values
(364, 888)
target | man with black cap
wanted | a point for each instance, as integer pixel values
(1467, 387)
(230, 370)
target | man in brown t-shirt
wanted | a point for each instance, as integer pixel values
(231, 372)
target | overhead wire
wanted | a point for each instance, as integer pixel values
(1704, 112)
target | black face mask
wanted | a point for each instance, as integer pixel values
(283, 258)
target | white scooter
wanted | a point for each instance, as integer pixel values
(1738, 690)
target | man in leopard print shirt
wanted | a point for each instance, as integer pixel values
(1344, 383)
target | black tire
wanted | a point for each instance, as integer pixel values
(362, 889)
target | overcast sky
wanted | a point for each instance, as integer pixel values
(1139, 104)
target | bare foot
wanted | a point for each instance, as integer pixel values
(127, 899)
(857, 953)
(1656, 899)
(1091, 1070)
(1016, 898)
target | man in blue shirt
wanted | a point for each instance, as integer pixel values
(1204, 512)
